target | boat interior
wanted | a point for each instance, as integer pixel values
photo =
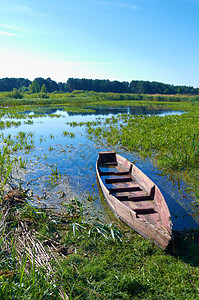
(122, 184)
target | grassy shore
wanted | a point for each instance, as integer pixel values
(44, 255)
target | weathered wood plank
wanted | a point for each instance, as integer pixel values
(147, 210)
(124, 189)
(117, 173)
(127, 178)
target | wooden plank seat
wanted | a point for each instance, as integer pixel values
(144, 210)
(143, 197)
(140, 198)
(146, 207)
(122, 197)
(124, 189)
(133, 198)
(111, 163)
(126, 178)
(118, 173)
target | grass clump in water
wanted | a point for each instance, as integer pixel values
(172, 141)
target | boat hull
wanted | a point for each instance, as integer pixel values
(132, 209)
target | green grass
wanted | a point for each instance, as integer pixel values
(90, 262)
(133, 269)
(85, 97)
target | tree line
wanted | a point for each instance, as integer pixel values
(134, 87)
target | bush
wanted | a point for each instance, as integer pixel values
(15, 94)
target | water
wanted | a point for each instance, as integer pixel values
(74, 159)
(107, 111)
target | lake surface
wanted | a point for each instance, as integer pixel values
(60, 167)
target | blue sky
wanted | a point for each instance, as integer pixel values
(155, 40)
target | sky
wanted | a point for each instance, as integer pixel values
(154, 40)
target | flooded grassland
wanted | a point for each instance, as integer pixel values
(58, 238)
(58, 147)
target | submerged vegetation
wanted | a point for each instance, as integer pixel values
(49, 255)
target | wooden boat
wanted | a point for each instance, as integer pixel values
(134, 197)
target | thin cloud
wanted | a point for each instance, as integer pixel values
(25, 9)
(7, 30)
(121, 4)
(8, 26)
(11, 7)
(7, 34)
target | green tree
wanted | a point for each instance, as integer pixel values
(43, 89)
(34, 87)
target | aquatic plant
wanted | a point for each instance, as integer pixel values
(50, 148)
(28, 122)
(69, 134)
(5, 167)
(74, 123)
(55, 174)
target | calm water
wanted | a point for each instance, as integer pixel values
(75, 158)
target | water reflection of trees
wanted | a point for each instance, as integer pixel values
(132, 110)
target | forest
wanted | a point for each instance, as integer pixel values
(134, 87)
